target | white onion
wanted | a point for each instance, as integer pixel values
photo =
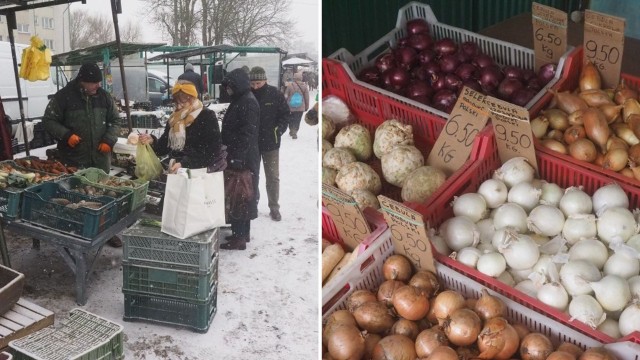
(612, 292)
(615, 315)
(510, 214)
(438, 243)
(580, 226)
(520, 252)
(525, 195)
(551, 194)
(528, 287)
(506, 278)
(610, 327)
(586, 309)
(634, 288)
(520, 275)
(539, 238)
(546, 267)
(491, 264)
(576, 276)
(556, 246)
(616, 225)
(471, 205)
(485, 226)
(486, 248)
(554, 295)
(515, 171)
(575, 201)
(546, 220)
(469, 256)
(634, 242)
(591, 250)
(494, 192)
(502, 236)
(609, 196)
(630, 319)
(622, 265)
(459, 232)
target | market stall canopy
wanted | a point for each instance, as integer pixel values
(205, 50)
(20, 5)
(96, 53)
(297, 61)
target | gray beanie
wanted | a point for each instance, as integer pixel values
(257, 74)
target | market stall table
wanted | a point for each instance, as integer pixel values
(78, 252)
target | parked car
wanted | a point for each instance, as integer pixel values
(156, 91)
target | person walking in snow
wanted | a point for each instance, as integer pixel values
(240, 129)
(297, 96)
(274, 118)
(192, 77)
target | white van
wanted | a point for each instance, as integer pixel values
(35, 95)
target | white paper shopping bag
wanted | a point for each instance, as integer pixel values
(193, 205)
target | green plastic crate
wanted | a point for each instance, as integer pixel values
(196, 315)
(98, 176)
(186, 285)
(82, 336)
(85, 222)
(149, 244)
(123, 196)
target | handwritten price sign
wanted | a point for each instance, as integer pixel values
(604, 45)
(512, 129)
(346, 215)
(408, 233)
(454, 144)
(549, 33)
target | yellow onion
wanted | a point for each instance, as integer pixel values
(596, 97)
(573, 133)
(575, 118)
(596, 127)
(634, 124)
(599, 159)
(589, 77)
(558, 119)
(611, 112)
(634, 153)
(569, 102)
(539, 126)
(615, 159)
(615, 142)
(623, 92)
(627, 172)
(623, 131)
(630, 107)
(584, 150)
(555, 135)
(554, 145)
(635, 169)
(497, 340)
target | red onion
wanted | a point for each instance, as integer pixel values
(444, 100)
(406, 57)
(467, 71)
(432, 68)
(370, 75)
(527, 74)
(385, 62)
(402, 42)
(512, 72)
(420, 73)
(418, 89)
(470, 49)
(427, 55)
(546, 73)
(452, 82)
(522, 96)
(482, 61)
(490, 77)
(395, 79)
(507, 87)
(445, 46)
(416, 26)
(534, 84)
(437, 81)
(449, 63)
(472, 84)
(420, 41)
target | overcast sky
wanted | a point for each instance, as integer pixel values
(304, 12)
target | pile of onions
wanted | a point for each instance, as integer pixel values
(433, 72)
(595, 125)
(441, 325)
(573, 251)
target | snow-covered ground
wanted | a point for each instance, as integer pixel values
(268, 295)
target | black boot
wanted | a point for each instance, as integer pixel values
(234, 236)
(239, 243)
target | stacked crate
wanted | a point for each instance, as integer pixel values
(170, 280)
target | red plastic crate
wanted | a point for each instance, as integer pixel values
(569, 82)
(551, 169)
(371, 109)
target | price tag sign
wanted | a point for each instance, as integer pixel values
(467, 119)
(604, 45)
(549, 33)
(408, 233)
(346, 215)
(512, 130)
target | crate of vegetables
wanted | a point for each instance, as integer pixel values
(517, 236)
(424, 63)
(590, 126)
(13, 180)
(122, 196)
(391, 309)
(50, 205)
(97, 176)
(48, 166)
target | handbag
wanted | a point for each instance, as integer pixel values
(239, 193)
(193, 203)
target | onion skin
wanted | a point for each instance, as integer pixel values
(555, 135)
(598, 353)
(611, 113)
(394, 347)
(521, 330)
(623, 92)
(397, 267)
(498, 340)
(405, 327)
(426, 281)
(596, 97)
(539, 126)
(410, 303)
(573, 349)
(346, 343)
(374, 317)
(535, 346)
(335, 320)
(596, 127)
(370, 341)
(573, 133)
(569, 102)
(489, 306)
(623, 131)
(589, 77)
(630, 107)
(428, 340)
(358, 298)
(561, 355)
(615, 159)
(615, 142)
(583, 150)
(386, 290)
(462, 327)
(444, 353)
(555, 145)
(558, 119)
(634, 153)
(446, 303)
(634, 124)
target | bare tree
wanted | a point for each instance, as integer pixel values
(179, 18)
(131, 32)
(261, 23)
(87, 30)
(217, 18)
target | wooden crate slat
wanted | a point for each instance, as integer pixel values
(23, 319)
(9, 324)
(35, 308)
(18, 318)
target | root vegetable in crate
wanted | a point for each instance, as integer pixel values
(356, 138)
(365, 198)
(329, 176)
(390, 134)
(338, 157)
(422, 183)
(358, 175)
(401, 161)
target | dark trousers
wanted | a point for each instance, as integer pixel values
(241, 227)
(272, 174)
(294, 121)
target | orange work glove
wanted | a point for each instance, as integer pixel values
(73, 140)
(104, 148)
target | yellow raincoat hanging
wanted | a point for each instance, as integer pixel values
(36, 60)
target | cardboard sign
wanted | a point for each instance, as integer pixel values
(351, 225)
(453, 146)
(549, 34)
(512, 130)
(604, 45)
(408, 233)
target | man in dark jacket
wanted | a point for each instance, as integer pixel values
(274, 118)
(83, 118)
(240, 128)
(192, 77)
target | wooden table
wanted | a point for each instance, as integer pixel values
(519, 30)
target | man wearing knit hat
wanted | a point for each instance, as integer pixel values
(274, 115)
(194, 78)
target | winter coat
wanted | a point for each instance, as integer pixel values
(274, 117)
(202, 142)
(93, 118)
(292, 88)
(240, 128)
(193, 77)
